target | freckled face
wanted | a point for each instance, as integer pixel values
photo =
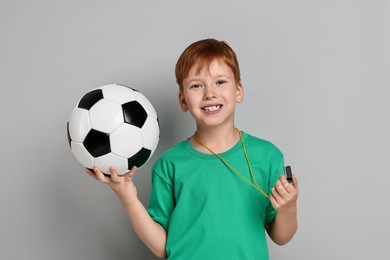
(211, 95)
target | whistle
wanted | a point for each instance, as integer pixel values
(288, 174)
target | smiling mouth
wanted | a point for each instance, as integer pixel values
(212, 108)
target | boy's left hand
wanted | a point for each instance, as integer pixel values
(284, 195)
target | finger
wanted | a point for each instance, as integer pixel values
(100, 175)
(283, 180)
(289, 187)
(275, 193)
(281, 187)
(114, 174)
(273, 200)
(277, 201)
(295, 179)
(131, 172)
(91, 173)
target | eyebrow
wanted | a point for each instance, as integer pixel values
(222, 76)
(191, 80)
(200, 79)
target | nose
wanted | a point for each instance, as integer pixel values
(209, 93)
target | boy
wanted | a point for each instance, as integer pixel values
(215, 194)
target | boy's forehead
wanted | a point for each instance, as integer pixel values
(215, 65)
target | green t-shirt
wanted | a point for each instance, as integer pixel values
(209, 211)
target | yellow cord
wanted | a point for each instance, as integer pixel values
(255, 184)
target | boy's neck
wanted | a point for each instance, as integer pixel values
(217, 139)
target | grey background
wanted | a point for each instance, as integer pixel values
(316, 76)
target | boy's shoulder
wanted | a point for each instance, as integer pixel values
(260, 144)
(175, 150)
(168, 160)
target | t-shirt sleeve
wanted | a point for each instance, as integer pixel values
(276, 169)
(162, 202)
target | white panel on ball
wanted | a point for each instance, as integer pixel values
(82, 155)
(150, 132)
(126, 140)
(105, 116)
(79, 124)
(119, 94)
(106, 161)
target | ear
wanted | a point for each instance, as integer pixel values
(182, 101)
(240, 92)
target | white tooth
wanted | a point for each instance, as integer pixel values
(212, 108)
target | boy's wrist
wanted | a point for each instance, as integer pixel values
(290, 211)
(127, 195)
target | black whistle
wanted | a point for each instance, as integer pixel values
(288, 174)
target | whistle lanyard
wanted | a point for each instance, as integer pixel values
(254, 183)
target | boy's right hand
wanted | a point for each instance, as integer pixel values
(123, 186)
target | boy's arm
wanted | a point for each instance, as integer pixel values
(284, 200)
(150, 232)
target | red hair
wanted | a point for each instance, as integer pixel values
(203, 53)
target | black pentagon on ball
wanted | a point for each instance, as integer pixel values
(97, 143)
(90, 99)
(139, 158)
(134, 113)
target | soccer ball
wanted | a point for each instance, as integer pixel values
(113, 125)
